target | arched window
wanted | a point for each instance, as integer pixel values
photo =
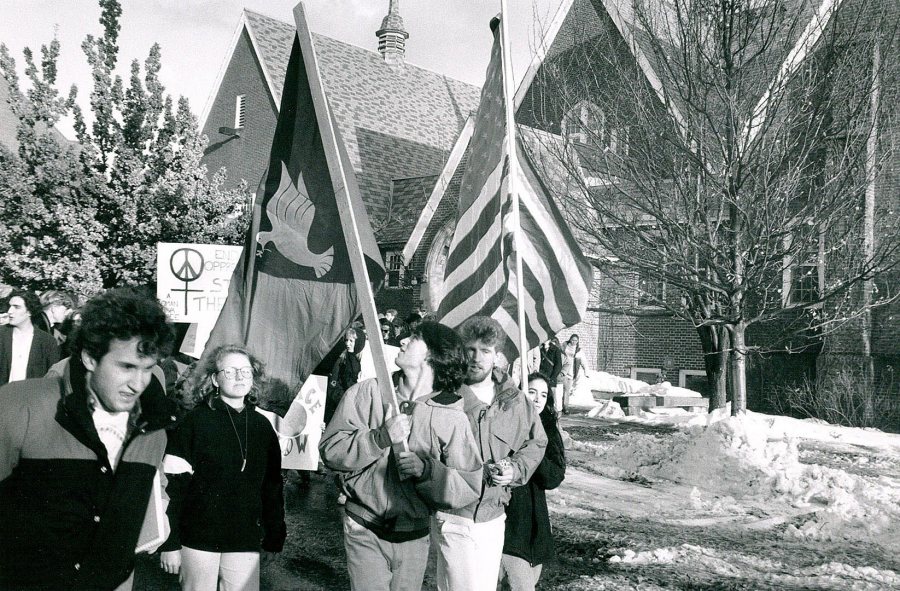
(587, 124)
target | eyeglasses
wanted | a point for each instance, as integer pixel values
(232, 372)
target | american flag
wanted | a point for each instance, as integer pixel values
(479, 279)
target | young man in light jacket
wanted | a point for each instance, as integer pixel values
(391, 495)
(511, 440)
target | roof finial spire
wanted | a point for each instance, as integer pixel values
(392, 35)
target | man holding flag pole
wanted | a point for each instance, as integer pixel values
(502, 302)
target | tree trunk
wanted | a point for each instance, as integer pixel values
(715, 344)
(738, 369)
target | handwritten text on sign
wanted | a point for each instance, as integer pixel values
(192, 279)
(300, 431)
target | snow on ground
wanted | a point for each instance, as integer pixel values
(756, 457)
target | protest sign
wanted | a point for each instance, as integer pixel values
(300, 430)
(192, 279)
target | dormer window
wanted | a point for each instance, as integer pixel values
(240, 111)
(585, 124)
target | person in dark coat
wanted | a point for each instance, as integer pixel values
(346, 370)
(80, 454)
(528, 542)
(25, 351)
(551, 362)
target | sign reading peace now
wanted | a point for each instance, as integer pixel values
(192, 279)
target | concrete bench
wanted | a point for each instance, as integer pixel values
(631, 405)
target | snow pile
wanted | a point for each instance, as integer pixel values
(600, 381)
(606, 408)
(830, 575)
(757, 457)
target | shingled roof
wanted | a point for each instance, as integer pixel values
(407, 199)
(397, 121)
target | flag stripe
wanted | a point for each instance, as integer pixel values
(479, 220)
(480, 276)
(473, 268)
(473, 305)
(535, 203)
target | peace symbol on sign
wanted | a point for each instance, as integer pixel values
(186, 264)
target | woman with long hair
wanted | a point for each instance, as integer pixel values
(223, 463)
(528, 542)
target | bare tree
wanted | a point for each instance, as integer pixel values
(737, 152)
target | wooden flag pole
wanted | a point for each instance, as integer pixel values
(346, 211)
(512, 179)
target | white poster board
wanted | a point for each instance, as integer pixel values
(367, 362)
(300, 431)
(192, 279)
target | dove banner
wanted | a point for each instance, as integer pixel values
(293, 293)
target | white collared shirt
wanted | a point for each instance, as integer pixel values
(21, 349)
(484, 391)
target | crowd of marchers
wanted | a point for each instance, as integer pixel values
(99, 460)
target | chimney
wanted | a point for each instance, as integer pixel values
(392, 36)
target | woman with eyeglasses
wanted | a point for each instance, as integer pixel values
(223, 464)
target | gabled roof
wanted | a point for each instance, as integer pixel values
(573, 17)
(397, 121)
(561, 35)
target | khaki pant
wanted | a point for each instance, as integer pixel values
(377, 565)
(468, 553)
(225, 571)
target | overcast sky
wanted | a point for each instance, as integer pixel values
(448, 36)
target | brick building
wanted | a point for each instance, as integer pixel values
(398, 122)
(407, 132)
(656, 345)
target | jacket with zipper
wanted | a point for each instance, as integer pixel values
(69, 521)
(508, 428)
(395, 509)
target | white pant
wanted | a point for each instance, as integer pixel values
(468, 553)
(227, 571)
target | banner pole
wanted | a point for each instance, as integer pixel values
(512, 180)
(346, 211)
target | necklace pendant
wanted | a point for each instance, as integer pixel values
(243, 464)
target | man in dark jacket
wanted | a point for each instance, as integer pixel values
(79, 454)
(25, 351)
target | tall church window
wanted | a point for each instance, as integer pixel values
(395, 268)
(588, 125)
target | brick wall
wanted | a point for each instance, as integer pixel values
(246, 156)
